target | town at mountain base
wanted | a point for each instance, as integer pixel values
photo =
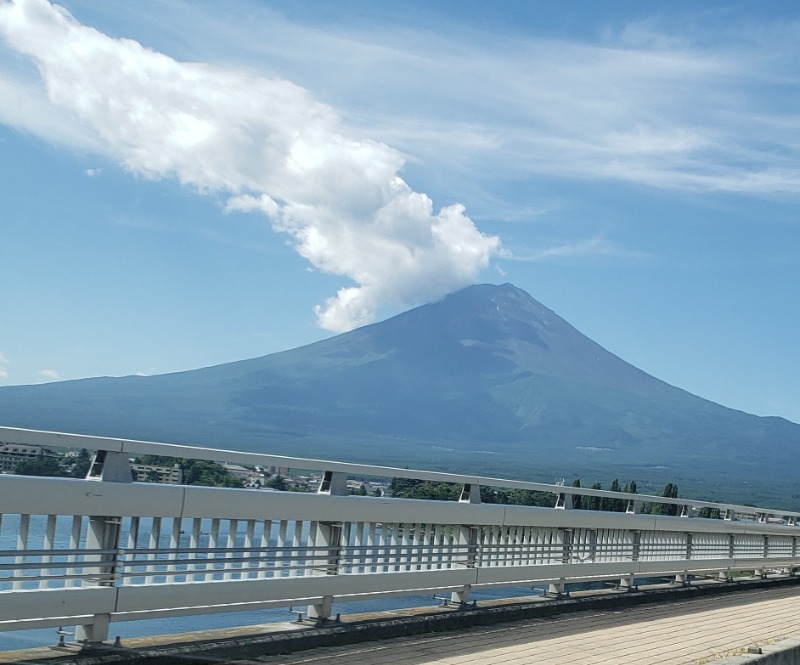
(486, 380)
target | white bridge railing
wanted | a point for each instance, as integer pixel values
(88, 552)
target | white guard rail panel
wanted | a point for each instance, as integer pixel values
(87, 553)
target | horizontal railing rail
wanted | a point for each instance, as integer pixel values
(86, 553)
(135, 448)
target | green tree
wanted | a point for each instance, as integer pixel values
(520, 497)
(401, 486)
(670, 492)
(594, 502)
(210, 474)
(617, 505)
(82, 463)
(39, 466)
(277, 483)
(431, 491)
(577, 499)
(709, 513)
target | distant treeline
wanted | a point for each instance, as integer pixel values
(405, 488)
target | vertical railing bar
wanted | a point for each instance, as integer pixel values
(194, 545)
(249, 540)
(174, 544)
(389, 540)
(427, 553)
(213, 543)
(49, 544)
(266, 535)
(439, 542)
(130, 559)
(349, 531)
(230, 545)
(383, 556)
(297, 548)
(406, 546)
(387, 534)
(418, 542)
(155, 536)
(399, 541)
(74, 544)
(523, 545)
(372, 551)
(281, 554)
(310, 555)
(358, 548)
(22, 545)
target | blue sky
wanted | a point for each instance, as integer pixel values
(191, 183)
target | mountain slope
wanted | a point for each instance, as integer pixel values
(486, 369)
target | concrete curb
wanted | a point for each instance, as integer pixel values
(785, 652)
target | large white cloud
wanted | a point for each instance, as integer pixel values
(271, 147)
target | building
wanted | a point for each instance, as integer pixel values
(13, 453)
(250, 477)
(156, 473)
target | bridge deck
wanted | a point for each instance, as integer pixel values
(697, 631)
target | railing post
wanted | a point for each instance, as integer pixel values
(103, 534)
(333, 483)
(559, 588)
(110, 467)
(628, 583)
(564, 501)
(634, 507)
(683, 578)
(326, 544)
(637, 545)
(470, 493)
(467, 543)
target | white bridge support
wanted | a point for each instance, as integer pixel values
(88, 553)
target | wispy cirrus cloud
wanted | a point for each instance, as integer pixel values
(48, 375)
(642, 102)
(597, 246)
(700, 110)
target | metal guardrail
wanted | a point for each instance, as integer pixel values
(85, 553)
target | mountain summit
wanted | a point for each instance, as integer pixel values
(486, 376)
